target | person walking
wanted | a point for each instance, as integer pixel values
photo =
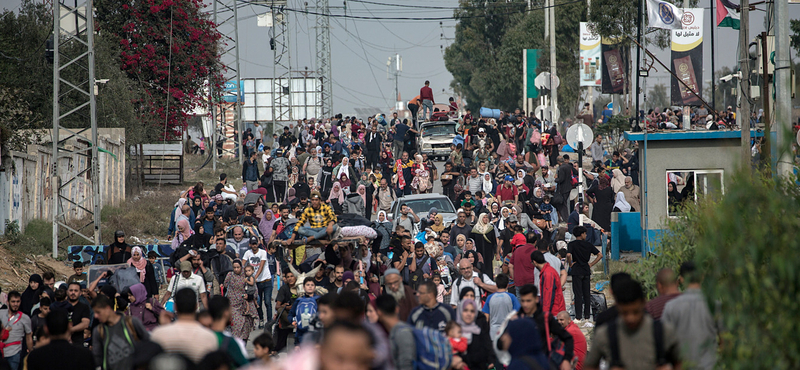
(250, 172)
(59, 353)
(581, 252)
(18, 325)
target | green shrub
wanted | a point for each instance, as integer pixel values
(746, 245)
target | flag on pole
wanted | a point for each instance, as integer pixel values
(662, 14)
(726, 15)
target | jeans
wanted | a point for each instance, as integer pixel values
(251, 185)
(427, 109)
(397, 149)
(279, 190)
(316, 232)
(264, 298)
(13, 361)
(580, 288)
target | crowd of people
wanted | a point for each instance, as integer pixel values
(358, 288)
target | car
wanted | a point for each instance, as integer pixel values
(436, 137)
(422, 203)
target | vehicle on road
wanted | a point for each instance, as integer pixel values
(435, 139)
(422, 203)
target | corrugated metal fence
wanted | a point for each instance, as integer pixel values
(25, 187)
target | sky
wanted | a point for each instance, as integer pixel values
(360, 47)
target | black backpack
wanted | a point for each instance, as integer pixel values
(613, 343)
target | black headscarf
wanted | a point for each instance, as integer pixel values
(30, 297)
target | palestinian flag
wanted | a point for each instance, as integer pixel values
(727, 14)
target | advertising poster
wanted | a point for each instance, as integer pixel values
(589, 68)
(614, 67)
(687, 58)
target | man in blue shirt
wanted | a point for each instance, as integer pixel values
(430, 313)
(499, 304)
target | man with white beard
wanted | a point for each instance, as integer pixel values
(405, 296)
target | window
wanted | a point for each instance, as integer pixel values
(691, 185)
(439, 130)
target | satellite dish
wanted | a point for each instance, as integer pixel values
(579, 133)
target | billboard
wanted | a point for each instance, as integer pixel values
(260, 94)
(230, 92)
(687, 58)
(589, 69)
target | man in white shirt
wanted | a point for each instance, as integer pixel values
(257, 258)
(479, 283)
(186, 336)
(187, 279)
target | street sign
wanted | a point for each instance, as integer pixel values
(579, 133)
(543, 112)
(542, 81)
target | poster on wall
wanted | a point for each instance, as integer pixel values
(589, 68)
(687, 59)
(614, 67)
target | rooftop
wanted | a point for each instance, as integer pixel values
(689, 135)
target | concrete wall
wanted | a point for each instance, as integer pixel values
(25, 187)
(682, 155)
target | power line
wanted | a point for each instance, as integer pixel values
(371, 71)
(438, 7)
(453, 17)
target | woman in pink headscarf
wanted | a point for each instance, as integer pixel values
(147, 275)
(182, 233)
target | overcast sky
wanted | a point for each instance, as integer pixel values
(360, 48)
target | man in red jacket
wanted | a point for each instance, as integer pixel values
(549, 285)
(426, 94)
(580, 347)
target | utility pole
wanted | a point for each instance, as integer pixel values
(324, 58)
(74, 102)
(281, 66)
(395, 64)
(553, 78)
(744, 94)
(765, 97)
(225, 17)
(783, 91)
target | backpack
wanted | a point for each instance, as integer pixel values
(128, 329)
(434, 351)
(306, 310)
(613, 343)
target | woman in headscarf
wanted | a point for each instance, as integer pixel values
(336, 198)
(550, 146)
(326, 177)
(458, 248)
(674, 197)
(688, 190)
(501, 221)
(631, 192)
(147, 275)
(485, 241)
(266, 224)
(488, 184)
(369, 192)
(475, 329)
(143, 307)
(526, 179)
(182, 233)
(384, 228)
(243, 312)
(30, 296)
(618, 181)
(495, 209)
(438, 224)
(175, 216)
(344, 182)
(197, 207)
(602, 195)
(621, 205)
(291, 196)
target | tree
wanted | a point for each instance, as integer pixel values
(750, 266)
(794, 24)
(486, 58)
(169, 48)
(658, 97)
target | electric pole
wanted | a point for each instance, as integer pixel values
(744, 94)
(324, 73)
(553, 78)
(783, 81)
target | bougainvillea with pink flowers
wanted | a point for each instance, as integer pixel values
(171, 49)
